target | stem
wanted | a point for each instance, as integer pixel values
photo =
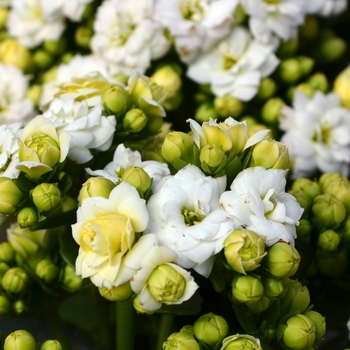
(125, 315)
(104, 335)
(165, 327)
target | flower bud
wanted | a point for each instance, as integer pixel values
(19, 306)
(95, 187)
(137, 177)
(288, 48)
(47, 270)
(134, 120)
(247, 289)
(70, 281)
(46, 196)
(205, 112)
(328, 240)
(10, 196)
(271, 110)
(332, 264)
(115, 101)
(241, 341)
(282, 260)
(266, 90)
(183, 340)
(260, 306)
(305, 88)
(83, 35)
(42, 59)
(7, 253)
(5, 305)
(12, 52)
(51, 345)
(319, 321)
(20, 340)
(34, 93)
(329, 49)
(298, 333)
(273, 287)
(304, 230)
(119, 293)
(3, 268)
(55, 47)
(210, 329)
(212, 158)
(290, 70)
(341, 190)
(329, 211)
(342, 87)
(318, 81)
(330, 177)
(244, 250)
(15, 280)
(303, 199)
(228, 106)
(306, 63)
(27, 217)
(270, 154)
(311, 188)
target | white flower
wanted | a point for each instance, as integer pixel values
(127, 37)
(14, 106)
(105, 231)
(326, 8)
(258, 202)
(186, 217)
(317, 133)
(124, 158)
(32, 22)
(234, 66)
(9, 150)
(74, 9)
(88, 127)
(196, 25)
(270, 21)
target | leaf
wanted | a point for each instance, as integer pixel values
(56, 220)
(68, 248)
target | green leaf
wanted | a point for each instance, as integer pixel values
(56, 220)
(68, 248)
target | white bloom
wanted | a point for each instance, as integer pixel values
(197, 25)
(270, 21)
(317, 134)
(105, 231)
(124, 158)
(258, 202)
(14, 106)
(74, 9)
(186, 217)
(127, 37)
(326, 8)
(9, 150)
(32, 22)
(234, 66)
(88, 127)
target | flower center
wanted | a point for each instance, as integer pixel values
(192, 10)
(191, 217)
(228, 62)
(272, 2)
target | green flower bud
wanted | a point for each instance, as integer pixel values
(27, 217)
(329, 49)
(241, 341)
(137, 177)
(46, 196)
(10, 196)
(303, 199)
(119, 293)
(270, 154)
(228, 106)
(271, 110)
(55, 47)
(154, 125)
(288, 48)
(290, 70)
(145, 87)
(318, 81)
(47, 270)
(210, 328)
(306, 63)
(34, 93)
(42, 59)
(273, 287)
(332, 264)
(341, 190)
(183, 340)
(328, 178)
(134, 120)
(20, 340)
(5, 305)
(342, 87)
(70, 281)
(212, 158)
(239, 15)
(298, 333)
(304, 230)
(311, 188)
(83, 35)
(282, 260)
(15, 280)
(244, 250)
(51, 345)
(259, 306)
(205, 111)
(7, 253)
(267, 89)
(247, 289)
(328, 240)
(319, 321)
(329, 211)
(19, 306)
(96, 187)
(115, 100)
(3, 268)
(306, 88)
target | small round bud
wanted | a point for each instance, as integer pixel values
(83, 35)
(46, 196)
(311, 188)
(115, 101)
(205, 111)
(51, 345)
(341, 190)
(306, 63)
(228, 106)
(19, 306)
(183, 340)
(328, 240)
(5, 305)
(70, 281)
(137, 177)
(331, 177)
(10, 196)
(55, 47)
(96, 187)
(318, 81)
(241, 341)
(212, 158)
(273, 287)
(12, 52)
(247, 289)
(267, 89)
(42, 59)
(27, 217)
(15, 280)
(7, 253)
(119, 293)
(3, 268)
(134, 120)
(288, 48)
(290, 70)
(304, 230)
(329, 49)
(271, 110)
(319, 321)
(20, 340)
(47, 270)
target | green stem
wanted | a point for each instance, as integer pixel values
(125, 315)
(165, 327)
(104, 336)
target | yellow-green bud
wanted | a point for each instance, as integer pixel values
(261, 305)
(119, 293)
(20, 340)
(145, 87)
(228, 106)
(70, 281)
(306, 88)
(329, 211)
(5, 305)
(318, 81)
(96, 187)
(51, 345)
(27, 217)
(3, 16)
(304, 230)
(247, 289)
(154, 125)
(46, 196)
(205, 111)
(341, 190)
(282, 260)
(267, 89)
(303, 199)
(7, 253)
(244, 250)
(55, 47)
(210, 328)
(49, 75)
(19, 306)
(137, 177)
(328, 178)
(319, 321)
(329, 49)
(310, 29)
(183, 340)
(271, 110)
(273, 287)
(311, 188)
(241, 341)
(3, 268)
(288, 48)
(212, 158)
(239, 15)
(10, 196)
(83, 35)
(328, 240)
(298, 333)
(332, 264)
(306, 63)
(115, 100)
(15, 280)
(47, 270)
(342, 87)
(12, 52)
(290, 70)
(270, 154)
(42, 59)
(134, 120)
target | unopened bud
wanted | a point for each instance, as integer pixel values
(12, 52)
(19, 306)
(47, 270)
(119, 293)
(83, 35)
(319, 321)
(241, 341)
(134, 120)
(10, 196)
(27, 217)
(212, 158)
(96, 187)
(70, 281)
(205, 112)
(115, 100)
(311, 188)
(137, 177)
(271, 110)
(290, 70)
(183, 340)
(20, 340)
(46, 196)
(42, 59)
(7, 253)
(306, 63)
(273, 287)
(51, 345)
(5, 305)
(228, 106)
(15, 280)
(247, 289)
(318, 81)
(328, 240)
(267, 89)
